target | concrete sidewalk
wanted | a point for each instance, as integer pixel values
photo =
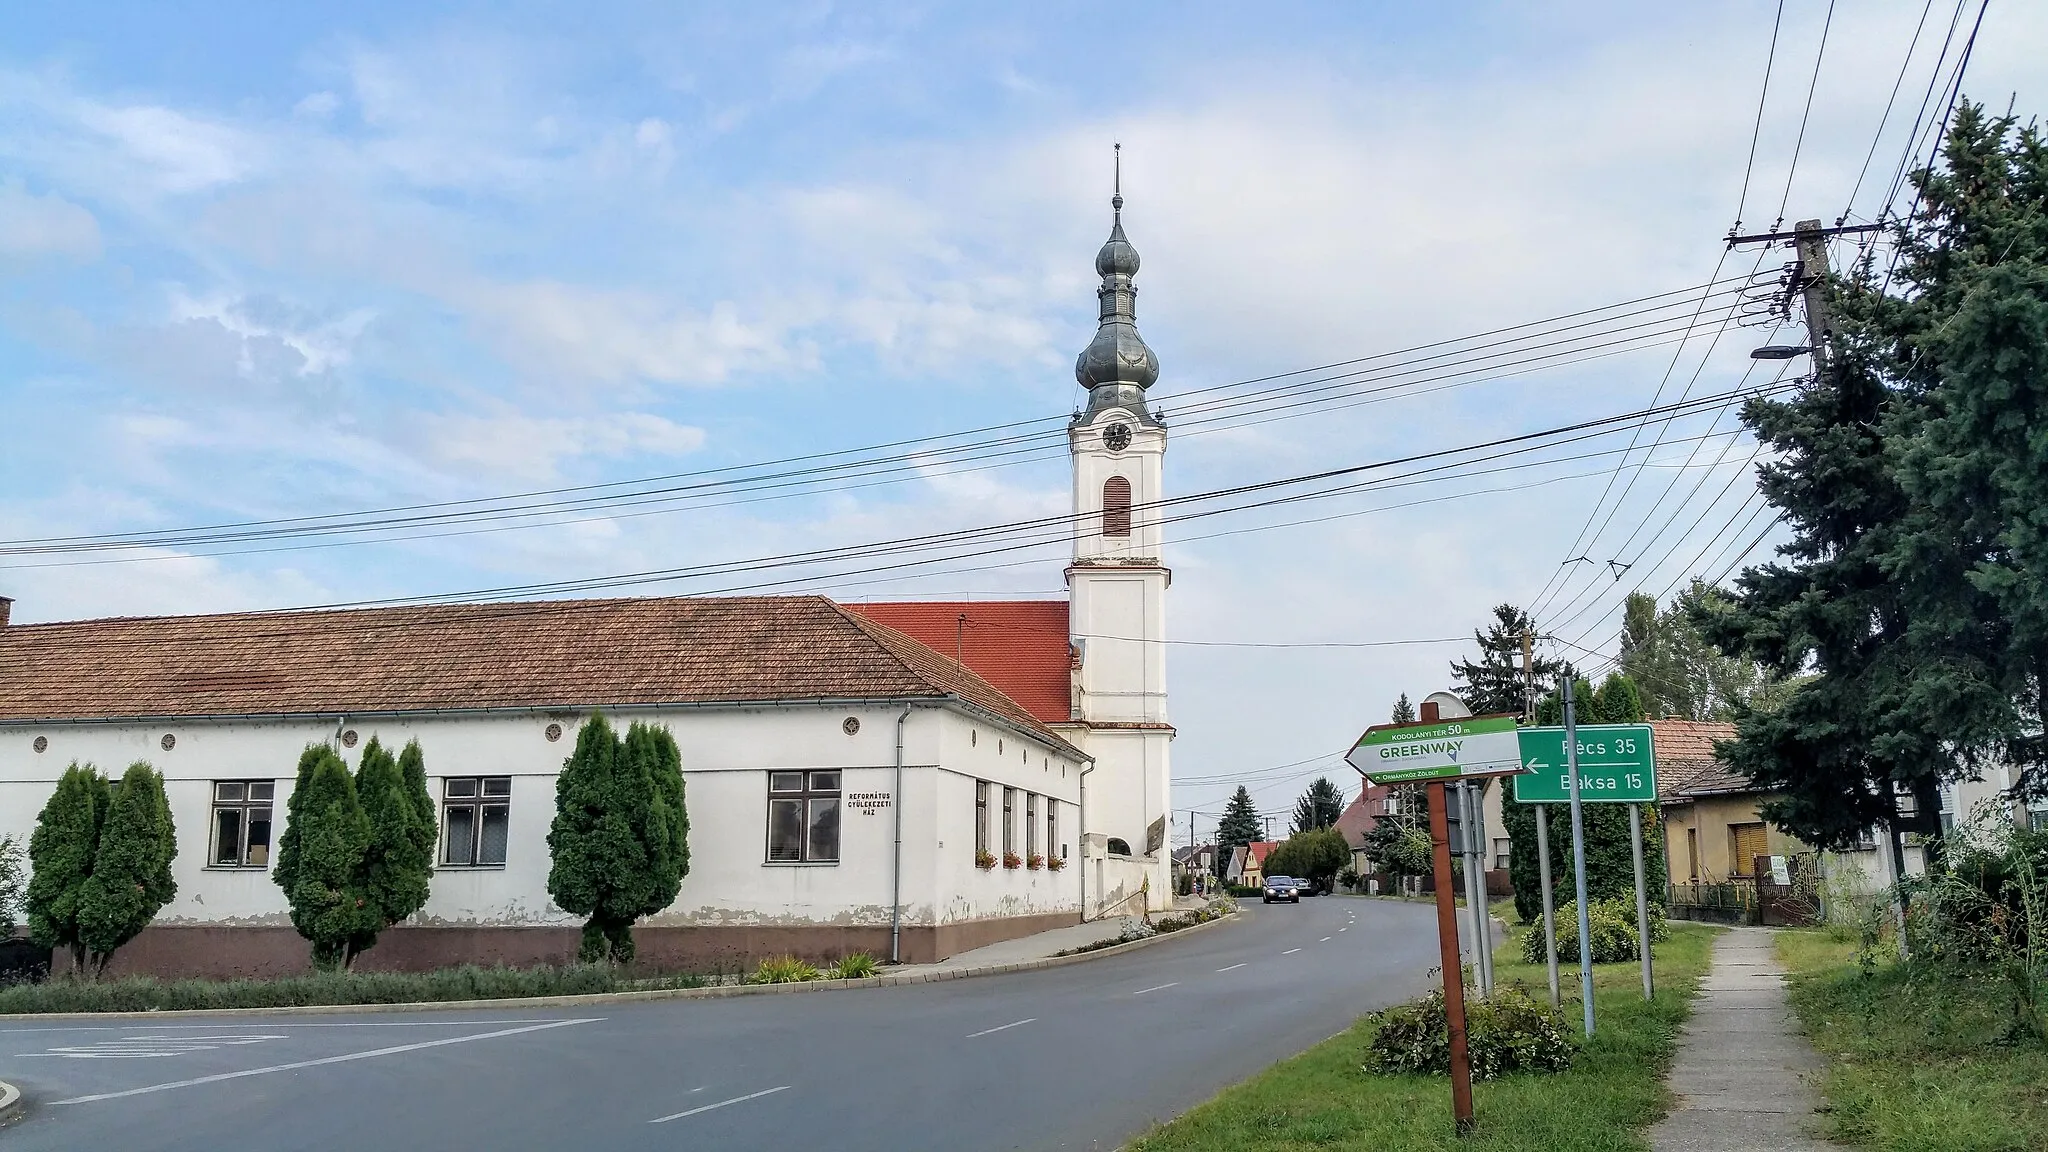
(1743, 1069)
(1038, 946)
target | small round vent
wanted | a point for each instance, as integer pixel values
(348, 738)
(553, 733)
(168, 742)
(850, 725)
(42, 744)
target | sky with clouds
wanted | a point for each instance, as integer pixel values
(264, 260)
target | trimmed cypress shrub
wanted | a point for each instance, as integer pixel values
(320, 860)
(398, 862)
(131, 872)
(619, 842)
(60, 858)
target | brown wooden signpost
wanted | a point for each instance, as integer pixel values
(1435, 750)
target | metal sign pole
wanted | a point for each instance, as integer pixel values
(1571, 752)
(1447, 948)
(1635, 834)
(1475, 884)
(1549, 901)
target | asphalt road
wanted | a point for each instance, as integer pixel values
(1082, 1056)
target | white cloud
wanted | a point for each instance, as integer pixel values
(534, 447)
(185, 154)
(33, 226)
(579, 334)
(317, 105)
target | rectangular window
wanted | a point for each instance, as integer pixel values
(1030, 824)
(1009, 825)
(980, 817)
(1052, 828)
(1692, 858)
(241, 823)
(1500, 860)
(476, 819)
(803, 817)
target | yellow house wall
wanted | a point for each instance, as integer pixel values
(1711, 817)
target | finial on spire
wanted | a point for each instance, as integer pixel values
(1116, 201)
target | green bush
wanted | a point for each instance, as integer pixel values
(858, 966)
(148, 994)
(784, 970)
(1508, 1033)
(1614, 932)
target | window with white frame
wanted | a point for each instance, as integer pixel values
(1009, 825)
(1052, 829)
(476, 818)
(803, 817)
(241, 824)
(1030, 824)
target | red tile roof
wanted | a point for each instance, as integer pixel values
(1020, 646)
(532, 654)
(1361, 816)
(1686, 763)
(1262, 849)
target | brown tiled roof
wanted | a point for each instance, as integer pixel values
(1686, 764)
(1359, 817)
(532, 654)
(1020, 646)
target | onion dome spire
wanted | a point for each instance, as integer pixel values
(1117, 366)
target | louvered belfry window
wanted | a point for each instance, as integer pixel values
(1116, 507)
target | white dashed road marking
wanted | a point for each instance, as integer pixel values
(148, 1047)
(1292, 951)
(1033, 1019)
(325, 1060)
(720, 1104)
(1154, 988)
(1326, 940)
(1235, 967)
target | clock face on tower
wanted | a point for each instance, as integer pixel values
(1116, 437)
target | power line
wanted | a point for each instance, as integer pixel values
(1805, 112)
(1911, 46)
(1756, 132)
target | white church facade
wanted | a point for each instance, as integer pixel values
(910, 779)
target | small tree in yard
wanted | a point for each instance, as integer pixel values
(131, 872)
(398, 862)
(60, 855)
(320, 860)
(619, 842)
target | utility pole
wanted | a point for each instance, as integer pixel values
(1809, 241)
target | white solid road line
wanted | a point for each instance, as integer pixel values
(343, 1059)
(271, 1023)
(720, 1104)
(1034, 1020)
(1292, 951)
(1235, 967)
(1155, 988)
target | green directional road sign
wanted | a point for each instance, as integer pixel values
(1474, 746)
(1616, 765)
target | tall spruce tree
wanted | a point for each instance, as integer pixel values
(619, 839)
(1404, 710)
(1494, 682)
(1318, 807)
(398, 862)
(131, 872)
(1911, 475)
(320, 860)
(1238, 827)
(61, 851)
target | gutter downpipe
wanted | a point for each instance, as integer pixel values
(896, 873)
(1083, 868)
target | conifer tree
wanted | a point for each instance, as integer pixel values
(619, 842)
(1495, 682)
(397, 865)
(322, 873)
(1238, 827)
(1404, 710)
(131, 873)
(1318, 807)
(60, 854)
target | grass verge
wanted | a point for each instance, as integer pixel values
(1920, 1059)
(1323, 1099)
(144, 994)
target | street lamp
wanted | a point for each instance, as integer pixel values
(1778, 351)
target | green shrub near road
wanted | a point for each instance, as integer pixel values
(1512, 1032)
(145, 994)
(785, 970)
(1325, 1100)
(1614, 932)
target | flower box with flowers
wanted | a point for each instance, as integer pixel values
(1034, 861)
(1056, 863)
(1012, 860)
(984, 860)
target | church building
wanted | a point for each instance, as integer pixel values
(911, 779)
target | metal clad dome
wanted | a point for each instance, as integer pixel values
(1117, 358)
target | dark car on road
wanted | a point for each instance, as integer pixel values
(1283, 888)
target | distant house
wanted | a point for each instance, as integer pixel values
(1248, 863)
(1378, 801)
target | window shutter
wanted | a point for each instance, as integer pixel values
(1116, 507)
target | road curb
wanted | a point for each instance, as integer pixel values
(886, 980)
(10, 1101)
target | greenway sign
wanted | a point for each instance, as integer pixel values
(1616, 765)
(1450, 750)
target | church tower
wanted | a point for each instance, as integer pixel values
(1116, 587)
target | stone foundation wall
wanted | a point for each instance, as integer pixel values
(221, 952)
